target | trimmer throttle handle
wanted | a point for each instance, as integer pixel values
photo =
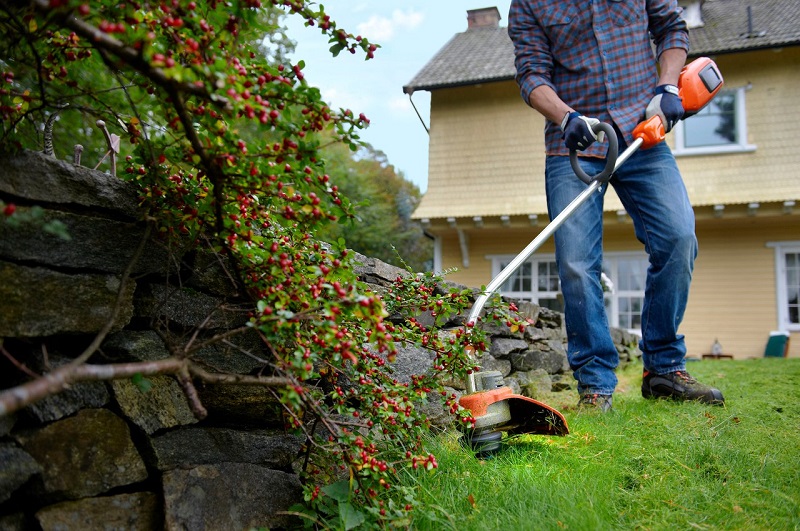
(611, 156)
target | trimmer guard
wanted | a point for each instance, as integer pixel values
(527, 415)
(531, 416)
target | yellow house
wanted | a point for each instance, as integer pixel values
(740, 159)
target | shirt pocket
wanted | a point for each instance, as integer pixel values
(561, 25)
(626, 12)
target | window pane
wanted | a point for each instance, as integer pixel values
(630, 312)
(715, 125)
(520, 280)
(548, 276)
(632, 273)
(793, 287)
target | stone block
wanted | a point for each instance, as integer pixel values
(161, 405)
(139, 511)
(229, 496)
(190, 447)
(41, 302)
(96, 244)
(16, 468)
(34, 176)
(84, 455)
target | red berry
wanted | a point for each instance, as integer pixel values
(10, 209)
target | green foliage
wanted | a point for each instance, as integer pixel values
(647, 465)
(381, 227)
(222, 139)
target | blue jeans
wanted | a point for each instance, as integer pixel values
(652, 191)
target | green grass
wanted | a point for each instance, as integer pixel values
(647, 465)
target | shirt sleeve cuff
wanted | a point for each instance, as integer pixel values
(529, 84)
(676, 40)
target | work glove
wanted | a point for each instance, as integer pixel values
(667, 104)
(578, 134)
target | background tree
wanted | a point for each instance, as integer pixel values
(384, 202)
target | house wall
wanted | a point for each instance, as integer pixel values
(733, 289)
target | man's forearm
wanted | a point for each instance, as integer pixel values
(545, 100)
(670, 65)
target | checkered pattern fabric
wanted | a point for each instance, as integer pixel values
(596, 54)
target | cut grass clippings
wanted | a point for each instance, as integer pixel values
(649, 464)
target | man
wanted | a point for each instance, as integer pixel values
(583, 62)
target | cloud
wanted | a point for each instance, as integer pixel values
(382, 29)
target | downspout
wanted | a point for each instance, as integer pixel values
(427, 130)
(463, 242)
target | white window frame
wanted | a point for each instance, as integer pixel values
(781, 289)
(741, 132)
(610, 297)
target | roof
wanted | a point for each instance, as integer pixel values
(478, 55)
(481, 55)
(728, 28)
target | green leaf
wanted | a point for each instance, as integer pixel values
(141, 382)
(350, 517)
(336, 49)
(339, 491)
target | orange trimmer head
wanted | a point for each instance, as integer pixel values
(496, 409)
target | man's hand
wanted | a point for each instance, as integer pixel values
(666, 104)
(578, 134)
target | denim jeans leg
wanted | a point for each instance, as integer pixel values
(650, 186)
(579, 256)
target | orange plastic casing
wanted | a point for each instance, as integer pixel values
(698, 83)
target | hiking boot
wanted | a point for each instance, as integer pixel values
(679, 385)
(601, 403)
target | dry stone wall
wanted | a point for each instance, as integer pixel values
(130, 454)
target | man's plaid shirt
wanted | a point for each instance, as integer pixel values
(596, 54)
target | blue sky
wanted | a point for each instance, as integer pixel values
(409, 32)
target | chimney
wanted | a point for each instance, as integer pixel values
(487, 17)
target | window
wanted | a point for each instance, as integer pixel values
(719, 128)
(537, 281)
(628, 274)
(534, 280)
(787, 276)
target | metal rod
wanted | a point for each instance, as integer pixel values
(543, 236)
(427, 130)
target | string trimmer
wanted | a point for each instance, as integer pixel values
(495, 407)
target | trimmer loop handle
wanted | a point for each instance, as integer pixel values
(611, 156)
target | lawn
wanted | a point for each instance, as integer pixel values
(646, 465)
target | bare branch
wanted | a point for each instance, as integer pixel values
(21, 366)
(185, 381)
(240, 379)
(59, 380)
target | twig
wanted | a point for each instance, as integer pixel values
(62, 378)
(240, 379)
(21, 366)
(185, 381)
(129, 55)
